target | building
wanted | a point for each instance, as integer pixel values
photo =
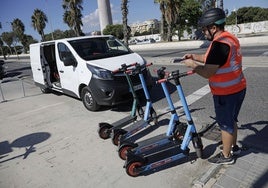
(149, 25)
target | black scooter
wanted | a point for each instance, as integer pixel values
(119, 134)
(105, 129)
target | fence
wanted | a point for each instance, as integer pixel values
(16, 88)
(248, 28)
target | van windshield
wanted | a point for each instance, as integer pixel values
(98, 48)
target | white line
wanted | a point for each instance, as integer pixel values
(39, 109)
(191, 98)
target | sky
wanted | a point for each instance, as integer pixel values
(139, 11)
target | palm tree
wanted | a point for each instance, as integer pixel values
(73, 16)
(124, 9)
(163, 20)
(39, 20)
(8, 38)
(18, 29)
(170, 11)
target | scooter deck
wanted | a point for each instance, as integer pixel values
(125, 121)
(154, 144)
(168, 154)
(132, 129)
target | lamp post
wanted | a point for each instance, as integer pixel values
(235, 16)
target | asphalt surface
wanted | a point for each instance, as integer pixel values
(52, 141)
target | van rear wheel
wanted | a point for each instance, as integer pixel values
(45, 90)
(88, 100)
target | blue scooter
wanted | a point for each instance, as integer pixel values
(175, 131)
(120, 134)
(137, 164)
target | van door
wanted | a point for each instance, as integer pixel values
(67, 67)
(39, 65)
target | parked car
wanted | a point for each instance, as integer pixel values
(146, 41)
(82, 67)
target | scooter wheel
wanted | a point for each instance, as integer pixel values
(132, 168)
(116, 137)
(104, 131)
(122, 151)
(199, 153)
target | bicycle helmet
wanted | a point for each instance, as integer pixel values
(212, 16)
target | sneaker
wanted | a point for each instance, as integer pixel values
(236, 150)
(220, 159)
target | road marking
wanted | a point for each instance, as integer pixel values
(190, 98)
(39, 109)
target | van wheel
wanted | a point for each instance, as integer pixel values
(88, 100)
(45, 90)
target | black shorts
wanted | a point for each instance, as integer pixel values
(227, 108)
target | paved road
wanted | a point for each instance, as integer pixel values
(52, 141)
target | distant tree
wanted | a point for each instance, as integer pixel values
(177, 15)
(207, 4)
(39, 20)
(73, 16)
(247, 15)
(69, 33)
(26, 41)
(188, 16)
(115, 30)
(18, 29)
(1, 47)
(126, 31)
(8, 38)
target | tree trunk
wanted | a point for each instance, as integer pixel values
(124, 10)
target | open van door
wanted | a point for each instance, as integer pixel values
(40, 67)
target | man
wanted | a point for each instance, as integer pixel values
(222, 66)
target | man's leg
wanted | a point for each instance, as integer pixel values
(227, 142)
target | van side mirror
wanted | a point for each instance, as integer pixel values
(69, 61)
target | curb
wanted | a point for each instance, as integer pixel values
(204, 179)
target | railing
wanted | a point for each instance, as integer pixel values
(15, 88)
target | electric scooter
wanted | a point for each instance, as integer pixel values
(174, 133)
(137, 164)
(120, 134)
(105, 129)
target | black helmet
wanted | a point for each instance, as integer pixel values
(212, 16)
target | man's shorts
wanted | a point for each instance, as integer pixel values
(227, 108)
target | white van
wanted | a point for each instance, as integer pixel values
(82, 67)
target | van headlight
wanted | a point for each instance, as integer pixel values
(100, 73)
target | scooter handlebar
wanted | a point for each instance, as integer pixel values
(124, 67)
(172, 76)
(137, 66)
(177, 60)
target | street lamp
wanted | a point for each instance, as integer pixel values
(235, 16)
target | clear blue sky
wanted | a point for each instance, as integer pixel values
(139, 11)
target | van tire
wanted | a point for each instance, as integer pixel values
(88, 100)
(45, 90)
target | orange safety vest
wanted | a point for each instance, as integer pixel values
(229, 78)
